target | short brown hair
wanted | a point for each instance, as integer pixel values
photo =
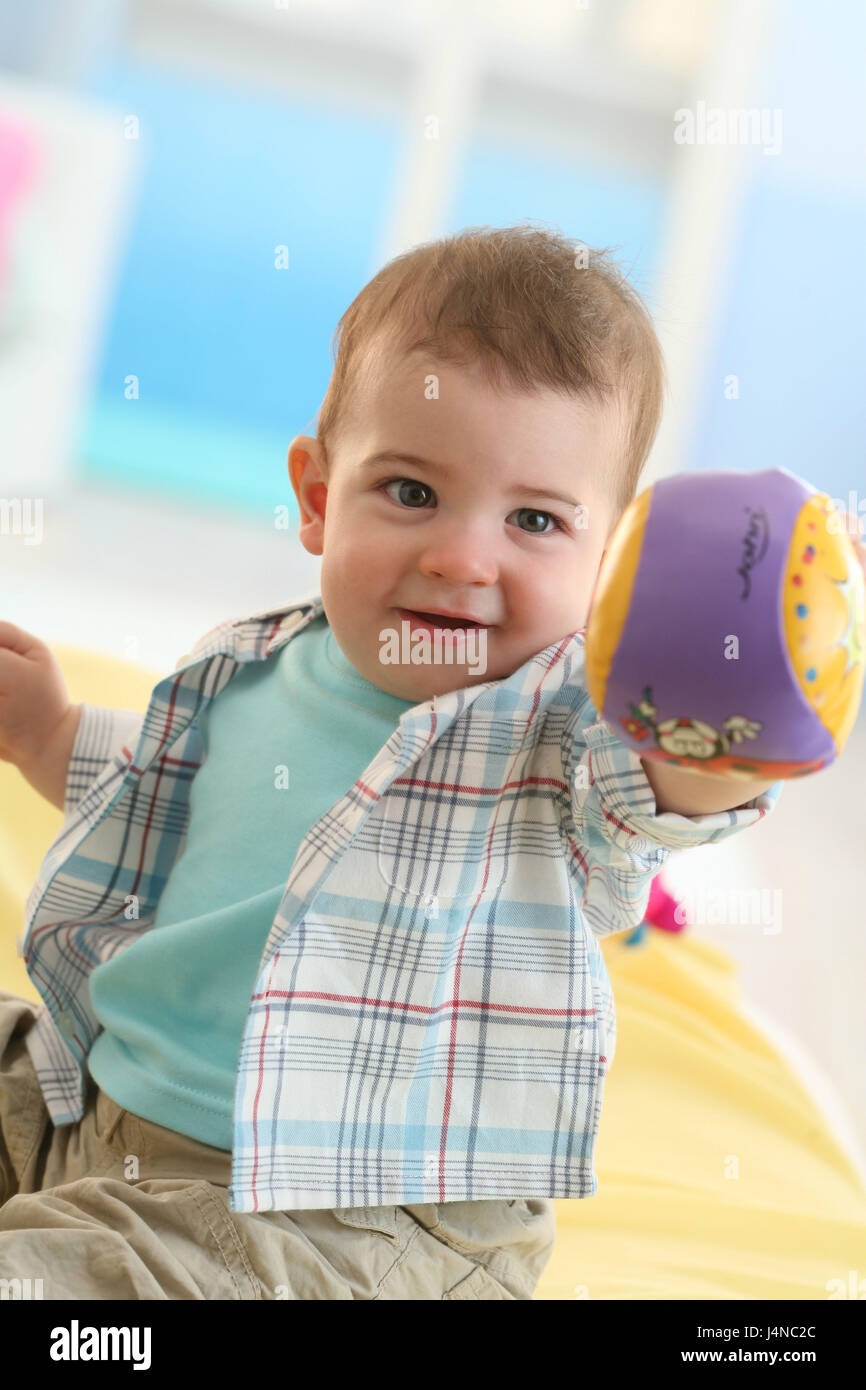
(534, 307)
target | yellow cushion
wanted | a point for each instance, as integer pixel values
(719, 1177)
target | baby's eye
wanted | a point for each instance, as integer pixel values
(531, 512)
(409, 483)
(410, 499)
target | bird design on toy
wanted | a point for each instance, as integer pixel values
(687, 738)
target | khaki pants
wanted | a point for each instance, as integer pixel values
(73, 1216)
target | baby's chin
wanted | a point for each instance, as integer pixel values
(420, 683)
(435, 680)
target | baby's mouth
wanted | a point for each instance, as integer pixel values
(439, 619)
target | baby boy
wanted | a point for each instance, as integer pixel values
(325, 1013)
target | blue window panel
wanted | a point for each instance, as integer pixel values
(792, 329)
(790, 337)
(501, 185)
(232, 355)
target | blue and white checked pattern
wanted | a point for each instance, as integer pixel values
(432, 1018)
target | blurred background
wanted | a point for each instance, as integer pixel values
(191, 193)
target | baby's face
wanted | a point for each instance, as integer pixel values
(492, 506)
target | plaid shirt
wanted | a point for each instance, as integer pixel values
(432, 1018)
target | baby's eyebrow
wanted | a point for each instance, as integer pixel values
(389, 455)
(519, 489)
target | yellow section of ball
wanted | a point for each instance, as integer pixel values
(824, 612)
(612, 596)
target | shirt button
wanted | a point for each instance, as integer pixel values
(66, 1022)
(431, 1164)
(577, 1038)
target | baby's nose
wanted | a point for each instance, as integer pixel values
(459, 562)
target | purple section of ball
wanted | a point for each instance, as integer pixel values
(712, 565)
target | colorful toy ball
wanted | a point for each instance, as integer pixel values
(728, 625)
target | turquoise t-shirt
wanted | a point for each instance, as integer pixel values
(173, 1005)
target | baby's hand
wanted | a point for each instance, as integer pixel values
(33, 696)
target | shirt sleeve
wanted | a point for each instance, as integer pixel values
(100, 740)
(104, 733)
(621, 839)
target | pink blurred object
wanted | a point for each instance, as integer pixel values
(18, 164)
(661, 908)
(660, 912)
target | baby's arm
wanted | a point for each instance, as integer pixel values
(38, 722)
